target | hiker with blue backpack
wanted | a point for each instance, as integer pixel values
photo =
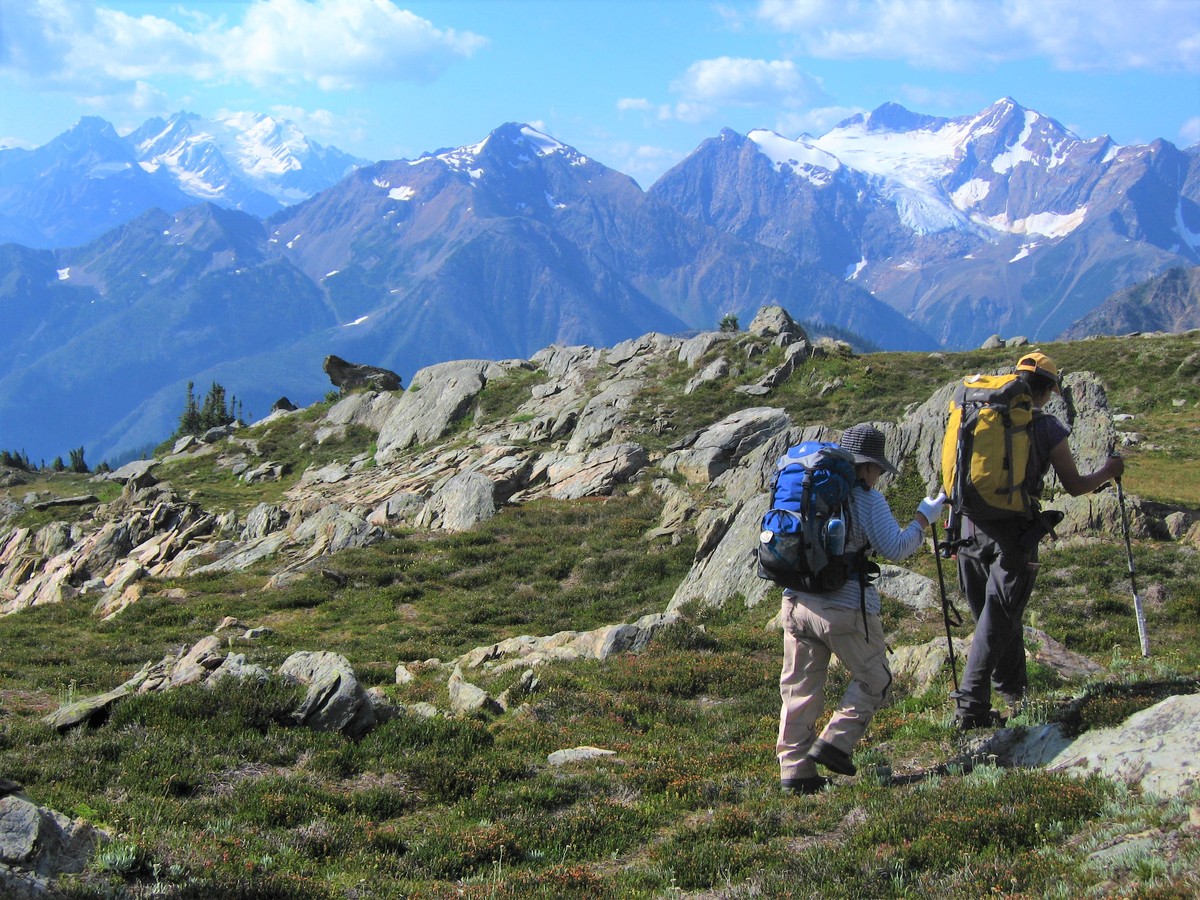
(997, 428)
(830, 608)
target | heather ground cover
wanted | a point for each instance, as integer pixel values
(215, 793)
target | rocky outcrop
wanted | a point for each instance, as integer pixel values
(1156, 748)
(37, 845)
(348, 376)
(335, 700)
(600, 643)
(437, 398)
(705, 454)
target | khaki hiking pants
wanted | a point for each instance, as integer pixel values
(813, 630)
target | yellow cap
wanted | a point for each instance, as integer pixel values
(1038, 362)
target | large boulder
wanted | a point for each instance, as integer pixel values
(702, 456)
(592, 475)
(1156, 748)
(348, 376)
(773, 322)
(460, 504)
(38, 844)
(603, 413)
(335, 701)
(438, 397)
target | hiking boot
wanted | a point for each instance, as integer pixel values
(832, 758)
(811, 785)
(990, 719)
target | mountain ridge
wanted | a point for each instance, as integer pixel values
(519, 241)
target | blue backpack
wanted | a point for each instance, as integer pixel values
(797, 548)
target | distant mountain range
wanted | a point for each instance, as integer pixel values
(911, 231)
(89, 179)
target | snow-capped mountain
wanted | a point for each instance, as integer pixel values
(911, 231)
(90, 179)
(493, 250)
(1001, 221)
(243, 161)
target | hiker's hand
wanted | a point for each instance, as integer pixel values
(1114, 467)
(931, 507)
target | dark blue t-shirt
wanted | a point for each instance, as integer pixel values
(1046, 433)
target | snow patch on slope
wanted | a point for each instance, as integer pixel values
(801, 157)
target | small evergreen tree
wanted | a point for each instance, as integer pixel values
(77, 463)
(729, 322)
(189, 421)
(196, 419)
(58, 465)
(15, 460)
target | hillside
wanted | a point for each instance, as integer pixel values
(535, 575)
(1169, 302)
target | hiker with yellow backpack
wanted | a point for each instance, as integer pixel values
(998, 448)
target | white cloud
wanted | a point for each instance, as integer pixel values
(643, 163)
(1071, 34)
(690, 113)
(322, 125)
(814, 121)
(340, 44)
(334, 44)
(634, 104)
(746, 82)
(1190, 132)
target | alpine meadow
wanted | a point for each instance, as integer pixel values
(499, 634)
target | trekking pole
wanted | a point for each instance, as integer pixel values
(1137, 601)
(947, 607)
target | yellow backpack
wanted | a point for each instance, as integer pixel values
(985, 452)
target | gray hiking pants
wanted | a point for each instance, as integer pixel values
(814, 630)
(997, 579)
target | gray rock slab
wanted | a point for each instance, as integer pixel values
(1158, 748)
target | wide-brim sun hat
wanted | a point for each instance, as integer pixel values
(867, 443)
(1039, 363)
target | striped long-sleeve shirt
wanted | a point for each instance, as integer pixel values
(871, 522)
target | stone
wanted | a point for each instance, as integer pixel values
(468, 699)
(913, 590)
(38, 844)
(264, 519)
(348, 376)
(335, 701)
(693, 349)
(597, 473)
(709, 452)
(438, 397)
(578, 754)
(460, 504)
(774, 321)
(131, 470)
(1156, 748)
(714, 371)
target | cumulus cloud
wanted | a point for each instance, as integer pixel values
(815, 121)
(340, 44)
(641, 162)
(710, 84)
(1189, 134)
(747, 82)
(1070, 34)
(334, 44)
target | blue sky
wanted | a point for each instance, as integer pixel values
(636, 84)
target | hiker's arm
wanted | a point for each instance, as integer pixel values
(1075, 482)
(884, 532)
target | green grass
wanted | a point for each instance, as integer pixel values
(216, 793)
